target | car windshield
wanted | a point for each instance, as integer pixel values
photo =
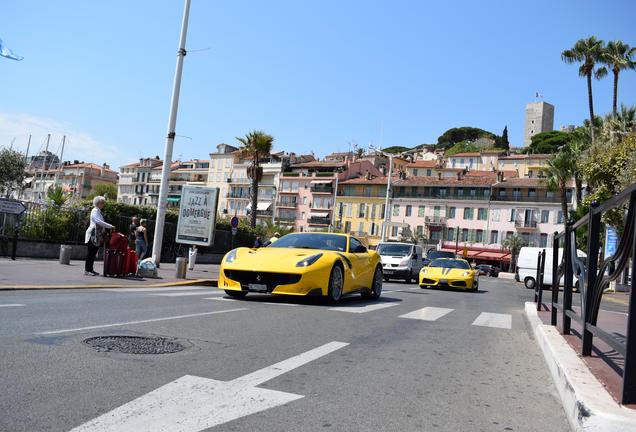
(450, 263)
(439, 254)
(394, 249)
(331, 242)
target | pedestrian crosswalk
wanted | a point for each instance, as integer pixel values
(350, 305)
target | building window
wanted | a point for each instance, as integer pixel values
(302, 215)
(494, 237)
(479, 237)
(545, 216)
(495, 215)
(532, 193)
(429, 172)
(442, 192)
(304, 200)
(394, 231)
(460, 192)
(549, 194)
(468, 213)
(420, 211)
(419, 230)
(509, 234)
(361, 210)
(360, 227)
(543, 240)
(415, 172)
(396, 210)
(383, 211)
(450, 234)
(464, 236)
(347, 226)
(349, 209)
(473, 192)
(408, 210)
(373, 209)
(482, 214)
(450, 212)
(560, 217)
(512, 215)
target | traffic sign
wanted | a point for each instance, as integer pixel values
(10, 206)
(234, 222)
(234, 230)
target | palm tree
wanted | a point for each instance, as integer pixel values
(618, 56)
(514, 244)
(578, 147)
(588, 52)
(254, 146)
(558, 171)
(56, 196)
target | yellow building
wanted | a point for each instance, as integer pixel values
(360, 207)
(526, 165)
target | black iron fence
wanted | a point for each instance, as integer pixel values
(594, 275)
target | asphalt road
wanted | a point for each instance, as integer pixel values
(456, 361)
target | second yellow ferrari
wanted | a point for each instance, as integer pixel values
(449, 272)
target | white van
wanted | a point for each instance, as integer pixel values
(400, 260)
(527, 265)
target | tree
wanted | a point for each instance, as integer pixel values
(396, 149)
(559, 170)
(548, 142)
(254, 146)
(12, 166)
(618, 56)
(514, 244)
(56, 195)
(587, 52)
(107, 190)
(466, 133)
(461, 147)
(581, 140)
(503, 141)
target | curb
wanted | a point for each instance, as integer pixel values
(190, 282)
(587, 404)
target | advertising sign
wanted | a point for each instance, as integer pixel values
(611, 241)
(197, 215)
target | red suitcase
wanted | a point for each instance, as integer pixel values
(130, 266)
(114, 262)
(118, 242)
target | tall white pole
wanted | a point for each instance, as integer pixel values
(388, 194)
(167, 158)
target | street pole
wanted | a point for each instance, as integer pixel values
(167, 158)
(456, 239)
(334, 208)
(388, 194)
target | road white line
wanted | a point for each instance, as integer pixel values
(428, 313)
(362, 309)
(183, 294)
(176, 288)
(11, 305)
(138, 322)
(487, 319)
(271, 372)
(193, 404)
(250, 301)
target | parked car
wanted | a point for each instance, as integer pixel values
(400, 260)
(435, 254)
(487, 270)
(527, 266)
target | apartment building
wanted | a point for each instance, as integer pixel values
(485, 160)
(132, 187)
(220, 174)
(526, 165)
(193, 172)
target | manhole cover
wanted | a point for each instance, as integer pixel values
(134, 344)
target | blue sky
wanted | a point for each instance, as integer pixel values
(318, 75)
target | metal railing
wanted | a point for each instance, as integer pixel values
(593, 278)
(525, 224)
(526, 198)
(319, 220)
(435, 220)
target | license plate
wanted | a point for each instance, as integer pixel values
(443, 281)
(388, 271)
(257, 287)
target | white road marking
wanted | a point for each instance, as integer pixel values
(251, 301)
(176, 288)
(138, 322)
(182, 294)
(487, 319)
(362, 309)
(11, 305)
(193, 404)
(428, 313)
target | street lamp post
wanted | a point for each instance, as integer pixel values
(387, 214)
(167, 158)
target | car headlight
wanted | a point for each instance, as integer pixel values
(423, 270)
(309, 260)
(231, 256)
(466, 273)
(405, 261)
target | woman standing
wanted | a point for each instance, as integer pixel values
(94, 234)
(141, 240)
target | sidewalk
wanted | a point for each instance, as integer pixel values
(48, 274)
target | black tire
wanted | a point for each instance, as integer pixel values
(236, 294)
(529, 282)
(375, 291)
(334, 292)
(476, 286)
(409, 278)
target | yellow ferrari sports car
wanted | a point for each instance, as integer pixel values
(449, 272)
(302, 264)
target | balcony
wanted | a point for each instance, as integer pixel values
(287, 204)
(286, 219)
(288, 191)
(468, 197)
(526, 198)
(435, 220)
(235, 195)
(526, 225)
(321, 189)
(318, 220)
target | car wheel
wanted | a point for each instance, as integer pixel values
(529, 282)
(236, 294)
(376, 284)
(408, 279)
(476, 286)
(336, 283)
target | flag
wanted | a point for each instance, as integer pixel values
(6, 52)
